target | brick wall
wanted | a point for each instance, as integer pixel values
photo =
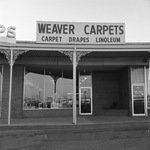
(105, 90)
(125, 89)
(17, 91)
(5, 91)
(47, 113)
(111, 92)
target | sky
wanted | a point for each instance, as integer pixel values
(23, 14)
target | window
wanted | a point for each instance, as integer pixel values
(47, 89)
(0, 89)
(85, 81)
(34, 89)
(138, 75)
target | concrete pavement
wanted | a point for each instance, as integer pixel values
(108, 122)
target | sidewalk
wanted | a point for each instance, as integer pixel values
(87, 121)
(44, 121)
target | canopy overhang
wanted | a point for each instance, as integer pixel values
(28, 45)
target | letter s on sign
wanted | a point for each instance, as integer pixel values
(11, 32)
(2, 29)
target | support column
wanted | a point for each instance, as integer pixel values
(75, 57)
(146, 86)
(74, 88)
(10, 85)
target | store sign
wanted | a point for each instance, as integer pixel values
(80, 33)
(10, 34)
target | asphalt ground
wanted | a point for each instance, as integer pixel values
(83, 137)
(105, 134)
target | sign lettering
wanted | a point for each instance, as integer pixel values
(10, 31)
(80, 33)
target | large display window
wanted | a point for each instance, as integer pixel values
(46, 89)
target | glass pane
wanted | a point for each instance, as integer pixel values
(138, 99)
(139, 107)
(85, 100)
(137, 75)
(64, 90)
(85, 81)
(85, 93)
(49, 92)
(34, 90)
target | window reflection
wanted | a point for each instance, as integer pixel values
(47, 90)
(85, 81)
(65, 92)
(34, 90)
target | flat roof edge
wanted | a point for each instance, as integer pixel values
(126, 43)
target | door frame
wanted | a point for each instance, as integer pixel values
(139, 84)
(91, 113)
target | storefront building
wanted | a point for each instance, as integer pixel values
(54, 78)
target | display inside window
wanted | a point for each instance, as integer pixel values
(47, 89)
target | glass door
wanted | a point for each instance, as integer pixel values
(139, 91)
(138, 99)
(85, 94)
